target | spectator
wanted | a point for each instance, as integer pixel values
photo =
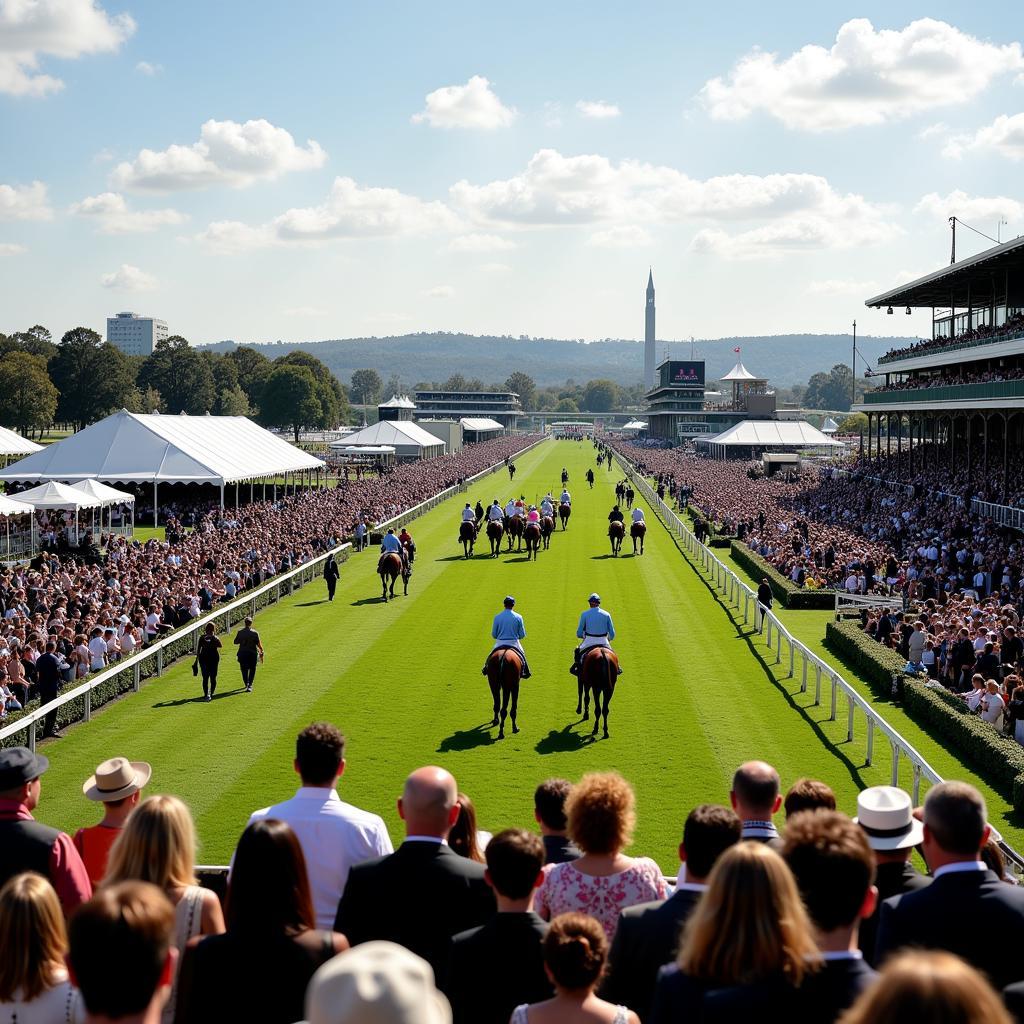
(271, 933)
(208, 659)
(764, 593)
(755, 798)
(423, 893)
(928, 988)
(747, 945)
(250, 651)
(549, 812)
(122, 956)
(28, 845)
(34, 985)
(966, 899)
(575, 950)
(479, 989)
(465, 838)
(603, 881)
(885, 815)
(378, 982)
(334, 835)
(648, 935)
(117, 784)
(808, 795)
(834, 871)
(157, 845)
(48, 680)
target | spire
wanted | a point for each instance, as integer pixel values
(650, 280)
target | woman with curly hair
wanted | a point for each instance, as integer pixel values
(601, 815)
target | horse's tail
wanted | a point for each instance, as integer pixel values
(608, 667)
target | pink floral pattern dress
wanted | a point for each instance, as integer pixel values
(566, 888)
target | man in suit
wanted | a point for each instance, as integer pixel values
(48, 680)
(331, 575)
(549, 811)
(500, 965)
(834, 869)
(967, 910)
(886, 816)
(756, 798)
(423, 893)
(648, 934)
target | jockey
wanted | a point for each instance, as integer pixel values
(478, 512)
(596, 629)
(521, 504)
(468, 515)
(615, 516)
(510, 509)
(507, 630)
(405, 539)
(389, 542)
(533, 516)
(565, 499)
(637, 514)
(494, 513)
(546, 508)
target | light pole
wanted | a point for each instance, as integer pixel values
(853, 368)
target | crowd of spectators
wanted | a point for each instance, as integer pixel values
(106, 600)
(983, 333)
(820, 917)
(962, 376)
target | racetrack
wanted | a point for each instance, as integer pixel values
(403, 682)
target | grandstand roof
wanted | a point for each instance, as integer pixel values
(480, 424)
(781, 433)
(141, 448)
(976, 281)
(12, 443)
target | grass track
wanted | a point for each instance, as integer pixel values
(403, 681)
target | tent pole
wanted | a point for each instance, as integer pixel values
(251, 485)
(156, 504)
(222, 495)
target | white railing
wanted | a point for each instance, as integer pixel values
(789, 651)
(1004, 515)
(127, 674)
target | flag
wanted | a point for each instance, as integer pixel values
(736, 350)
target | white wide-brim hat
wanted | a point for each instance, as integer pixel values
(886, 814)
(117, 778)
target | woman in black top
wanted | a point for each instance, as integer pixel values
(208, 656)
(259, 968)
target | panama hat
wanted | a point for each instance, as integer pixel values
(19, 765)
(595, 598)
(886, 814)
(376, 983)
(116, 778)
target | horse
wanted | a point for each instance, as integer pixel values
(547, 527)
(467, 534)
(515, 529)
(391, 566)
(616, 531)
(532, 535)
(620, 491)
(637, 531)
(564, 511)
(504, 670)
(495, 531)
(599, 671)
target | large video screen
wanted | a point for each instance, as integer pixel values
(683, 373)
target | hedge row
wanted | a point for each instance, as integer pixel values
(785, 590)
(997, 759)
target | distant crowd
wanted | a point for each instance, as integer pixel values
(1013, 325)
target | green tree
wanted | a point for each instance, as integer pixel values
(854, 423)
(522, 384)
(332, 397)
(225, 371)
(600, 395)
(147, 401)
(290, 398)
(182, 375)
(366, 386)
(28, 398)
(394, 386)
(92, 376)
(232, 402)
(456, 382)
(567, 405)
(253, 370)
(831, 390)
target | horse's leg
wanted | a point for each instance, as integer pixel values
(597, 709)
(579, 695)
(384, 587)
(504, 706)
(492, 681)
(515, 703)
(608, 693)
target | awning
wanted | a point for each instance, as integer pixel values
(773, 433)
(14, 507)
(53, 494)
(106, 495)
(480, 425)
(12, 443)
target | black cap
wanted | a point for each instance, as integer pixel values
(19, 765)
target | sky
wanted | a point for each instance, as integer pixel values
(320, 168)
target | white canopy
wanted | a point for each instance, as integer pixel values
(406, 437)
(340, 448)
(773, 433)
(398, 402)
(635, 425)
(480, 425)
(136, 447)
(829, 426)
(13, 507)
(106, 495)
(54, 494)
(12, 443)
(739, 372)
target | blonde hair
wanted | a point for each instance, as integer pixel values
(601, 813)
(32, 937)
(928, 988)
(157, 844)
(750, 924)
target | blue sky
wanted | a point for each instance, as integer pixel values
(322, 169)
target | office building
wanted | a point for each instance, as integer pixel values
(135, 335)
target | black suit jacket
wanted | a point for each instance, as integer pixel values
(494, 968)
(951, 914)
(891, 880)
(825, 995)
(1013, 996)
(680, 999)
(419, 896)
(647, 938)
(559, 849)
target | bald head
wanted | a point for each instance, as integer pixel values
(755, 791)
(428, 805)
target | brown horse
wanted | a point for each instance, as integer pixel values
(547, 527)
(391, 567)
(515, 530)
(531, 534)
(616, 531)
(599, 671)
(637, 532)
(504, 670)
(495, 531)
(467, 534)
(564, 511)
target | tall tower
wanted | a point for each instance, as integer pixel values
(649, 355)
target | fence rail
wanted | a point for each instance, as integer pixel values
(813, 671)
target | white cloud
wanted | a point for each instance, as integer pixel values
(227, 153)
(1005, 135)
(621, 236)
(144, 67)
(839, 287)
(65, 29)
(11, 249)
(479, 242)
(129, 279)
(495, 268)
(113, 216)
(867, 77)
(598, 110)
(980, 208)
(933, 131)
(24, 202)
(441, 291)
(473, 105)
(304, 311)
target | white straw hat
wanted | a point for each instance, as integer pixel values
(886, 814)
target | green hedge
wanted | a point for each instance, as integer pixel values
(718, 539)
(997, 759)
(785, 590)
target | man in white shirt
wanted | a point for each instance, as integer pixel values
(97, 651)
(334, 835)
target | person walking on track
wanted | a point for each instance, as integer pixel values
(250, 651)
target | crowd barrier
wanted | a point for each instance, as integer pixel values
(1004, 515)
(813, 671)
(79, 703)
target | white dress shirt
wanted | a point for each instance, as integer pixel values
(334, 835)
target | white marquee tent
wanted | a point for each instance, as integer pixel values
(110, 498)
(13, 444)
(57, 497)
(409, 440)
(761, 435)
(24, 540)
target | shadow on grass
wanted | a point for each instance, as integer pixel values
(563, 741)
(455, 558)
(368, 600)
(199, 699)
(313, 604)
(601, 558)
(513, 561)
(467, 739)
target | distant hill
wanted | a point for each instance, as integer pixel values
(785, 359)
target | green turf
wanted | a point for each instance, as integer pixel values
(403, 681)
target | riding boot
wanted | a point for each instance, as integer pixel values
(575, 670)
